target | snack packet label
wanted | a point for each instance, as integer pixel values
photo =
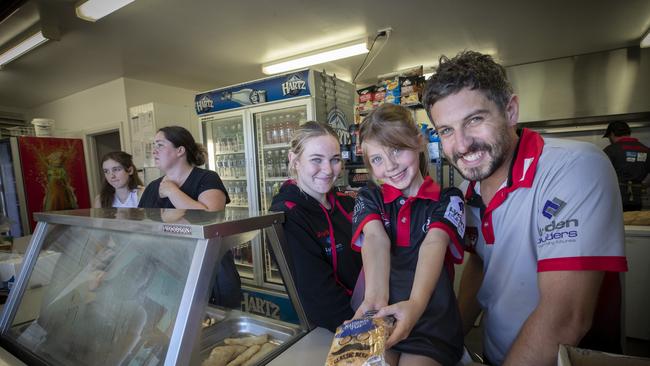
(356, 327)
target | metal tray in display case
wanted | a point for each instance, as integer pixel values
(237, 324)
(108, 287)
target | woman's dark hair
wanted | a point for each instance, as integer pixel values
(107, 192)
(468, 69)
(195, 153)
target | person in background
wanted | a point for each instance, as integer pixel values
(544, 221)
(185, 185)
(317, 226)
(122, 186)
(406, 229)
(630, 160)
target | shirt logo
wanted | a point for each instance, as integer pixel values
(455, 213)
(552, 208)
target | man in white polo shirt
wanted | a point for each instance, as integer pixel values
(544, 221)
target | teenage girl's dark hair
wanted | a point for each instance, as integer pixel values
(195, 153)
(107, 192)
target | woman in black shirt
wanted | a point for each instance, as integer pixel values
(185, 185)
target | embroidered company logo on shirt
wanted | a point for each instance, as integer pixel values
(552, 208)
(455, 213)
(562, 231)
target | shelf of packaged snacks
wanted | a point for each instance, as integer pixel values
(220, 153)
(409, 105)
(276, 146)
(349, 165)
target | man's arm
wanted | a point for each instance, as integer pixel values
(563, 316)
(470, 283)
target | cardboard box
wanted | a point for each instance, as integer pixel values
(572, 356)
(11, 263)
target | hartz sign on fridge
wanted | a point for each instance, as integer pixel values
(246, 129)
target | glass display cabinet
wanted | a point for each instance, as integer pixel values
(131, 287)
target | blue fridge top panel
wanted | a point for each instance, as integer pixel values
(292, 85)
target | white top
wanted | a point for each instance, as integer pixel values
(131, 200)
(560, 211)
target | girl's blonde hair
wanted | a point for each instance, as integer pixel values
(393, 126)
(302, 135)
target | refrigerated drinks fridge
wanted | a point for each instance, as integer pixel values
(248, 137)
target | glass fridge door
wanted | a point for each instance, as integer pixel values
(273, 132)
(224, 139)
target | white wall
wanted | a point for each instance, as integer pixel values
(141, 92)
(92, 108)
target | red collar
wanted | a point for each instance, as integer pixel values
(627, 139)
(428, 190)
(530, 149)
(522, 173)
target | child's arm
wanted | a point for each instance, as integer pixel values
(430, 260)
(376, 266)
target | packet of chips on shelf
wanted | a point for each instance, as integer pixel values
(366, 97)
(361, 342)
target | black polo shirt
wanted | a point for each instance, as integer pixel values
(407, 220)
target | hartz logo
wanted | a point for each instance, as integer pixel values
(293, 86)
(204, 103)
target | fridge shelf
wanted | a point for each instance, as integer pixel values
(276, 179)
(275, 146)
(245, 272)
(227, 178)
(243, 264)
(230, 205)
(229, 152)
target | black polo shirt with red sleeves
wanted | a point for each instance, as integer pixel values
(407, 220)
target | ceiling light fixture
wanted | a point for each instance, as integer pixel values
(337, 52)
(23, 47)
(645, 40)
(92, 10)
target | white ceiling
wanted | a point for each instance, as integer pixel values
(205, 44)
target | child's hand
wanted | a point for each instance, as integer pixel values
(369, 304)
(406, 314)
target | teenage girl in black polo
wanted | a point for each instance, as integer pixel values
(318, 226)
(406, 228)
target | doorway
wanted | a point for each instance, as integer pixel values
(99, 144)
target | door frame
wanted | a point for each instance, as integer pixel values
(90, 150)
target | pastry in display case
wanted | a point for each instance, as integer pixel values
(131, 287)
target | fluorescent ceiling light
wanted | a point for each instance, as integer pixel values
(23, 47)
(92, 10)
(645, 41)
(326, 55)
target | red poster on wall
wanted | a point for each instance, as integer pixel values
(54, 174)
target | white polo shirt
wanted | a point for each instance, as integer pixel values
(560, 210)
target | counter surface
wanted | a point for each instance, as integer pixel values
(311, 349)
